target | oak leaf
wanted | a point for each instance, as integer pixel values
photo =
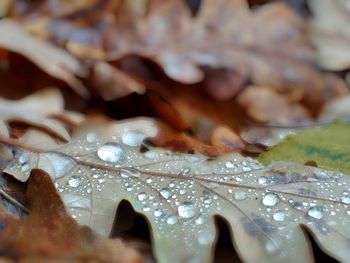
(180, 194)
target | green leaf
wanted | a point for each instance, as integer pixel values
(328, 146)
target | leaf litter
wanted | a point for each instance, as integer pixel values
(181, 193)
(222, 72)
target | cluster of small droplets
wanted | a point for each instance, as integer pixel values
(188, 195)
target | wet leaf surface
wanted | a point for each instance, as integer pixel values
(179, 195)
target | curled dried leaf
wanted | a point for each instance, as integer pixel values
(54, 61)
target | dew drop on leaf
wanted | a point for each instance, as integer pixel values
(279, 216)
(74, 181)
(172, 220)
(158, 212)
(165, 192)
(91, 137)
(142, 196)
(270, 199)
(185, 171)
(152, 155)
(316, 212)
(187, 209)
(133, 138)
(230, 164)
(110, 152)
(200, 220)
(240, 195)
(262, 180)
(23, 158)
(346, 200)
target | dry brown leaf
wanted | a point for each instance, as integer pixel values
(54, 61)
(335, 109)
(266, 46)
(49, 234)
(330, 32)
(265, 105)
(32, 111)
(112, 83)
(228, 35)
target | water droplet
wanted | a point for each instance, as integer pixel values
(23, 158)
(146, 209)
(205, 238)
(133, 138)
(185, 171)
(152, 155)
(158, 212)
(200, 220)
(262, 180)
(74, 181)
(25, 167)
(165, 192)
(171, 220)
(110, 152)
(129, 189)
(230, 165)
(186, 209)
(89, 190)
(246, 168)
(240, 195)
(270, 199)
(91, 137)
(316, 212)
(270, 247)
(101, 180)
(346, 200)
(279, 216)
(142, 196)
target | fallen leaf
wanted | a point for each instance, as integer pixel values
(227, 35)
(330, 33)
(264, 105)
(112, 83)
(266, 46)
(32, 111)
(49, 233)
(338, 108)
(12, 196)
(181, 193)
(54, 61)
(327, 146)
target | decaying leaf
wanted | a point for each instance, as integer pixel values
(112, 83)
(338, 108)
(12, 197)
(330, 32)
(49, 234)
(261, 103)
(32, 111)
(226, 44)
(327, 146)
(54, 61)
(181, 193)
(228, 35)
